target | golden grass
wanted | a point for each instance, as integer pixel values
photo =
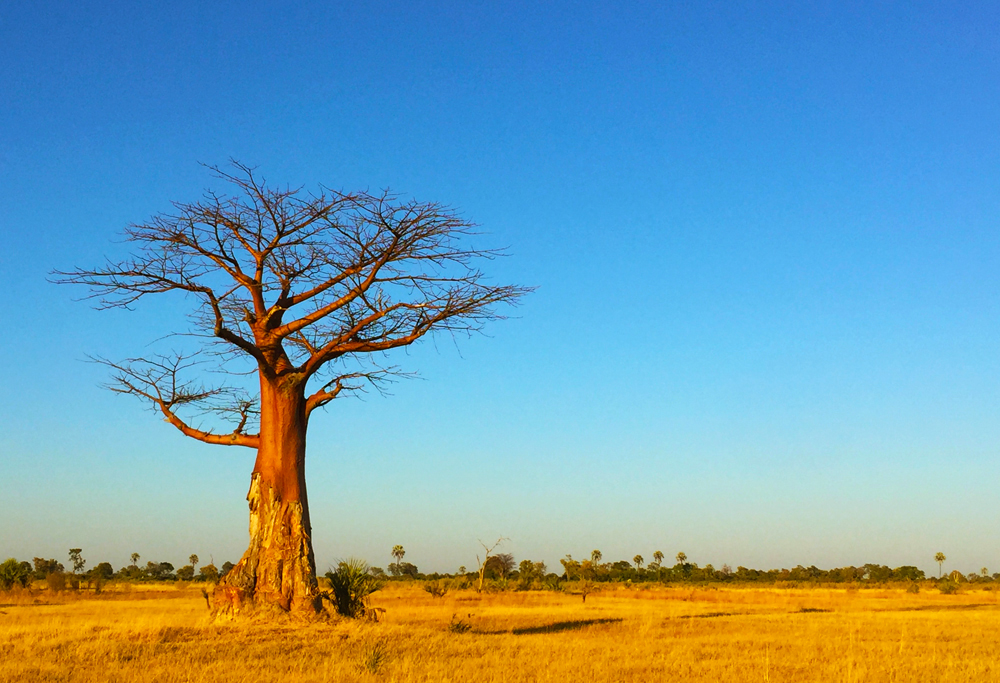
(674, 634)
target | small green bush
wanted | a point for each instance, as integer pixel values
(14, 573)
(948, 587)
(351, 584)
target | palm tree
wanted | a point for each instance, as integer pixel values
(940, 558)
(638, 561)
(658, 558)
(193, 560)
(135, 559)
(398, 552)
(595, 557)
(682, 558)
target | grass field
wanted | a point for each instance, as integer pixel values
(163, 633)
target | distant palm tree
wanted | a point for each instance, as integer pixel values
(682, 558)
(135, 559)
(940, 558)
(193, 560)
(595, 556)
(398, 552)
(658, 558)
(985, 572)
(638, 561)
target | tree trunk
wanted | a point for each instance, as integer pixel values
(278, 570)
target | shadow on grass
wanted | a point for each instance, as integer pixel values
(559, 626)
(942, 608)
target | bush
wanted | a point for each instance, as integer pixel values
(14, 573)
(438, 589)
(56, 581)
(459, 626)
(948, 587)
(351, 584)
(208, 573)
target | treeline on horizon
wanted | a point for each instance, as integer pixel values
(500, 572)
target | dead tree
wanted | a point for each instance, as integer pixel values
(309, 291)
(482, 563)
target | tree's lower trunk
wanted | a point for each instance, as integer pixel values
(278, 570)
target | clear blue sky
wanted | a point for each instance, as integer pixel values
(764, 236)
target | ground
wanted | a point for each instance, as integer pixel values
(163, 633)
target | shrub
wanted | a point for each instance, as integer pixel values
(458, 626)
(208, 573)
(437, 589)
(14, 573)
(374, 657)
(913, 588)
(948, 587)
(351, 584)
(56, 581)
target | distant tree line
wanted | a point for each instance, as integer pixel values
(14, 573)
(500, 571)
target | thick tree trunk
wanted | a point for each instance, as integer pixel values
(278, 570)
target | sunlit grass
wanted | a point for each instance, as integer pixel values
(164, 634)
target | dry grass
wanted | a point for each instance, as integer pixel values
(164, 635)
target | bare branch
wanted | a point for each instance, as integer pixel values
(295, 281)
(158, 381)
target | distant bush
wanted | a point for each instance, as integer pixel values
(351, 584)
(437, 589)
(14, 573)
(56, 581)
(208, 573)
(948, 587)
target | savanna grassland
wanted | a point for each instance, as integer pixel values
(164, 633)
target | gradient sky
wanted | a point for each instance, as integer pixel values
(767, 324)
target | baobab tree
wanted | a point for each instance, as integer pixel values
(308, 291)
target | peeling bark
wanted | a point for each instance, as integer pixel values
(278, 570)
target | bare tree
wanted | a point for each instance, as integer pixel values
(307, 291)
(482, 563)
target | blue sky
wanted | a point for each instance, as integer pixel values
(766, 328)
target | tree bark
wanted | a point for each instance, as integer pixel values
(278, 570)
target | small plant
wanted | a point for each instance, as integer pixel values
(913, 588)
(374, 657)
(351, 584)
(458, 625)
(948, 587)
(437, 589)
